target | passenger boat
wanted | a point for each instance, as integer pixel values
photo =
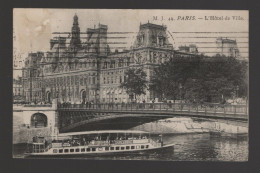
(96, 143)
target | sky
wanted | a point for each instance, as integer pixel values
(33, 28)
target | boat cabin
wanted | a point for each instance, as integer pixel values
(39, 144)
(95, 141)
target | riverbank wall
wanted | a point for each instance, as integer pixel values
(179, 125)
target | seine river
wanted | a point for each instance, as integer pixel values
(188, 147)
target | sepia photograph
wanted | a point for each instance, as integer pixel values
(131, 84)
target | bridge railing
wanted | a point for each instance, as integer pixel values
(40, 105)
(166, 107)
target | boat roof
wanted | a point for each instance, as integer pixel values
(100, 132)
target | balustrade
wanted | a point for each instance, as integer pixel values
(162, 107)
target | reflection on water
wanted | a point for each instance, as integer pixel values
(196, 147)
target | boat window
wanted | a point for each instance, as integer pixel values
(112, 148)
(61, 151)
(122, 148)
(147, 146)
(93, 149)
(66, 150)
(106, 148)
(117, 148)
(77, 150)
(138, 146)
(71, 150)
(127, 147)
(55, 151)
(82, 149)
(132, 147)
(88, 149)
(100, 149)
(142, 146)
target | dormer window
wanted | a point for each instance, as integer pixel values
(161, 40)
(140, 39)
(105, 65)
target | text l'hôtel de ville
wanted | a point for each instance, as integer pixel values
(164, 18)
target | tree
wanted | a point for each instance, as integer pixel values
(201, 78)
(135, 82)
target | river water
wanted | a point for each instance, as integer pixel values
(188, 147)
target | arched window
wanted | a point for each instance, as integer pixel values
(48, 97)
(83, 96)
(38, 120)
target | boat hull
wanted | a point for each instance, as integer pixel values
(93, 154)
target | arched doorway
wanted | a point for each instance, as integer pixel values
(83, 96)
(48, 97)
(38, 120)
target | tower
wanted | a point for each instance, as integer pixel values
(75, 32)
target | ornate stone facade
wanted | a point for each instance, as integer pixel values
(88, 71)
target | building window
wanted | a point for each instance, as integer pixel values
(85, 81)
(94, 80)
(68, 80)
(112, 64)
(120, 79)
(81, 81)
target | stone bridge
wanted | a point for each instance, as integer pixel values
(74, 115)
(65, 117)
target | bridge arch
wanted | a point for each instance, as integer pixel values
(39, 120)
